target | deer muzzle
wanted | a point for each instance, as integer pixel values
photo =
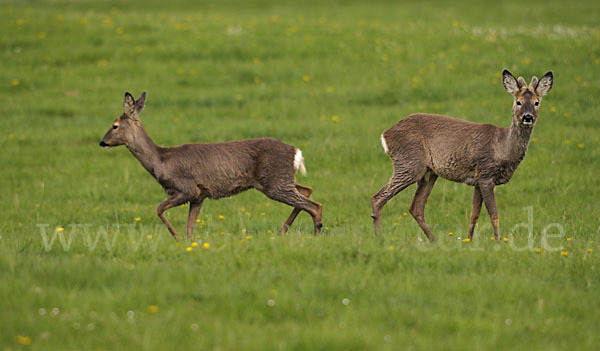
(528, 119)
(104, 145)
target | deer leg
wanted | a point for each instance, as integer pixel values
(475, 210)
(398, 183)
(294, 198)
(175, 200)
(304, 190)
(195, 207)
(417, 208)
(487, 192)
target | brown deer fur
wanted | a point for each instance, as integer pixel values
(423, 147)
(194, 172)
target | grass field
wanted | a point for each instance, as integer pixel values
(328, 77)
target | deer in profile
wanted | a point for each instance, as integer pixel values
(191, 173)
(423, 147)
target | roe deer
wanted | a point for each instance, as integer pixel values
(423, 147)
(194, 172)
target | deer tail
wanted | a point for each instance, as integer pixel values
(299, 162)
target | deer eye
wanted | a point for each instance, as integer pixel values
(115, 127)
(518, 103)
(537, 103)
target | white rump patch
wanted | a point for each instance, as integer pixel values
(299, 162)
(384, 144)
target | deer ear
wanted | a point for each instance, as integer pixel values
(128, 104)
(545, 84)
(510, 82)
(140, 103)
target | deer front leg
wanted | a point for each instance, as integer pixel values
(475, 210)
(195, 207)
(487, 192)
(175, 200)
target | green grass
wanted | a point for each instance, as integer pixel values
(325, 76)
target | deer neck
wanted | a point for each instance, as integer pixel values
(144, 149)
(517, 141)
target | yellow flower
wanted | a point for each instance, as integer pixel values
(538, 250)
(20, 21)
(60, 229)
(405, 214)
(198, 220)
(305, 77)
(527, 60)
(590, 250)
(564, 253)
(391, 247)
(568, 239)
(83, 20)
(206, 246)
(221, 217)
(23, 340)
(256, 80)
(188, 249)
(244, 231)
(152, 309)
(248, 237)
(553, 108)
(138, 219)
(335, 118)
(15, 82)
(467, 240)
(505, 240)
(263, 214)
(492, 238)
(149, 236)
(329, 89)
(581, 146)
(450, 66)
(450, 234)
(256, 60)
(194, 244)
(101, 63)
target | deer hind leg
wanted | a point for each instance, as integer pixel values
(294, 198)
(475, 210)
(305, 191)
(195, 206)
(401, 179)
(175, 200)
(417, 208)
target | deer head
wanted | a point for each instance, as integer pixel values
(527, 97)
(123, 128)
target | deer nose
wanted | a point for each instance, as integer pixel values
(527, 118)
(103, 144)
